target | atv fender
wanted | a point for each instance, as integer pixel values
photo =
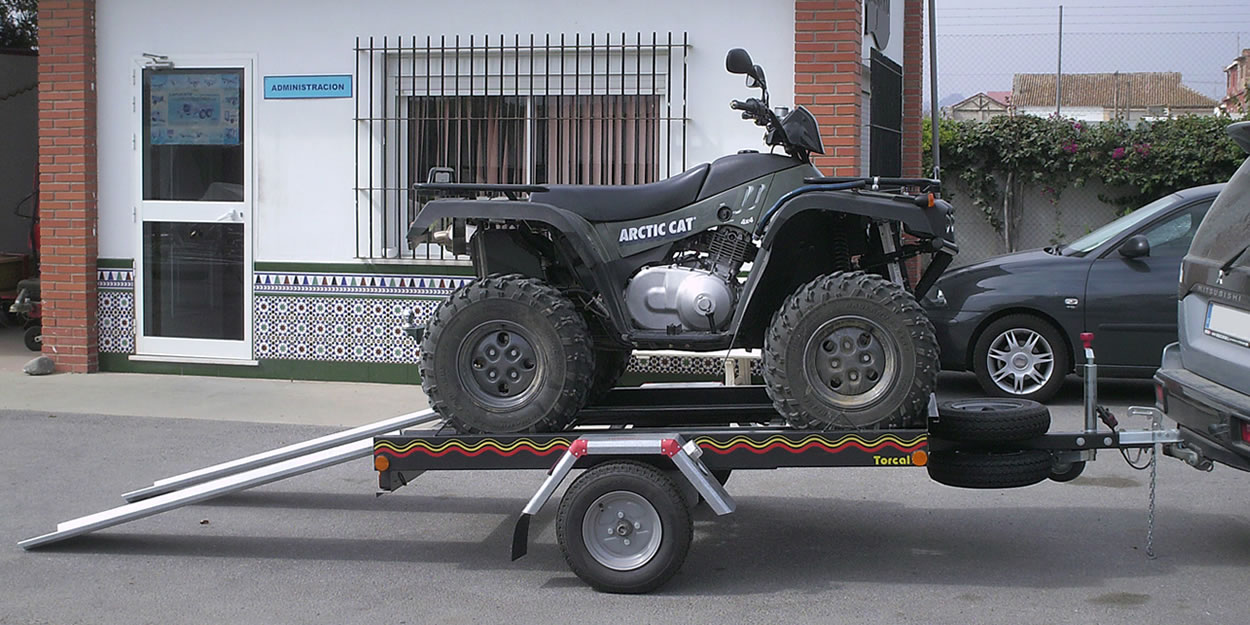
(579, 233)
(936, 222)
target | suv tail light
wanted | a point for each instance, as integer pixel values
(1245, 432)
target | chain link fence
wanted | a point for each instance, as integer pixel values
(1003, 61)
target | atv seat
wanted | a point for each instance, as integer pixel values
(605, 203)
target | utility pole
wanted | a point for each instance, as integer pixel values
(1059, 69)
(933, 95)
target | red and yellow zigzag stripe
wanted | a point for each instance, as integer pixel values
(708, 443)
(487, 444)
(873, 444)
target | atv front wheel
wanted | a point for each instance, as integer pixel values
(507, 354)
(850, 350)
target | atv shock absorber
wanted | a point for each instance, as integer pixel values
(840, 248)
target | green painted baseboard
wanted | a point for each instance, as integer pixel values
(274, 369)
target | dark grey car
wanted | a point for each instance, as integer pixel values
(1015, 319)
(1204, 382)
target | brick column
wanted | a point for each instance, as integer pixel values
(828, 42)
(913, 86)
(67, 183)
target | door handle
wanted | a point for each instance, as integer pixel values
(233, 214)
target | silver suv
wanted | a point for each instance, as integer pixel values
(1204, 381)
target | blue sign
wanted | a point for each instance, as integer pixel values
(292, 87)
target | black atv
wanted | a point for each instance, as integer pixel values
(576, 277)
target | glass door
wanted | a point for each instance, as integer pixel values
(193, 268)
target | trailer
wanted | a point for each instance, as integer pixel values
(650, 455)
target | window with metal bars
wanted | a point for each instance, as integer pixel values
(543, 109)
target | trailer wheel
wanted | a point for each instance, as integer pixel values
(850, 350)
(624, 527)
(979, 469)
(507, 354)
(990, 420)
(1067, 471)
(34, 338)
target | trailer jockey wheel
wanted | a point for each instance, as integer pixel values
(34, 338)
(624, 527)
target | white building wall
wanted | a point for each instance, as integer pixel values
(1079, 113)
(305, 149)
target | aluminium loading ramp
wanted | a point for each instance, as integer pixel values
(236, 475)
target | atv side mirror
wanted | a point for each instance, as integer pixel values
(739, 62)
(1135, 246)
(756, 78)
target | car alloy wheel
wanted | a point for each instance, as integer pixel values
(1020, 361)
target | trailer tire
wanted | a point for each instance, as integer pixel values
(990, 420)
(632, 500)
(507, 354)
(1067, 472)
(610, 365)
(33, 338)
(981, 469)
(850, 350)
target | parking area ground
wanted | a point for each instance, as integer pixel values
(829, 546)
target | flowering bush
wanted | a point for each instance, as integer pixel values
(1052, 154)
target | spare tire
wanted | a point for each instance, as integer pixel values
(990, 420)
(980, 469)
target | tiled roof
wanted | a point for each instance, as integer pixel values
(1136, 89)
(1002, 97)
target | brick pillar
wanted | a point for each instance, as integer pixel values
(913, 86)
(828, 42)
(67, 183)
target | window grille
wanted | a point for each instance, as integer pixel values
(559, 109)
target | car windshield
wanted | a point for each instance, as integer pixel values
(1103, 234)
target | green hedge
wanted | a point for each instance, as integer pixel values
(1055, 153)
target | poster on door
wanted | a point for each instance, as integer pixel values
(199, 108)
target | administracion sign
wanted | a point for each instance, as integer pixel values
(296, 87)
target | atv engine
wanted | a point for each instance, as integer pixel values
(697, 290)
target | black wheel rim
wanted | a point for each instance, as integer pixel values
(851, 361)
(498, 365)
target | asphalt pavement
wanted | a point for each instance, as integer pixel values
(878, 545)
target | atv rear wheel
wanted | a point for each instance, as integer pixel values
(507, 354)
(850, 350)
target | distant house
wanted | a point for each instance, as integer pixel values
(1237, 98)
(1100, 97)
(981, 107)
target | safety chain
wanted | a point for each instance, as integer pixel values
(1150, 522)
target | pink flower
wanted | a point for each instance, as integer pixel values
(1142, 149)
(1117, 154)
(1070, 147)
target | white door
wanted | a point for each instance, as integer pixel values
(194, 209)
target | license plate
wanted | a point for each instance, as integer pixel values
(1229, 324)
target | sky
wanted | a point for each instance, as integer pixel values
(982, 43)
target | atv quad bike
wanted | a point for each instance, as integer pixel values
(575, 277)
